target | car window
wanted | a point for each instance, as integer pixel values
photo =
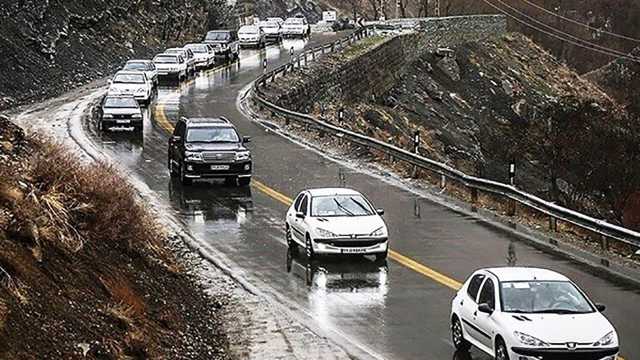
(129, 79)
(120, 102)
(165, 59)
(474, 286)
(212, 135)
(218, 35)
(304, 204)
(561, 297)
(180, 129)
(135, 66)
(296, 204)
(340, 205)
(487, 295)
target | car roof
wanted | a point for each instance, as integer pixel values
(525, 274)
(139, 60)
(219, 31)
(175, 49)
(208, 122)
(120, 96)
(165, 54)
(331, 191)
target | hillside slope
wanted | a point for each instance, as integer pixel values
(85, 272)
(49, 47)
(479, 106)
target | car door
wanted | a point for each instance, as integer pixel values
(176, 141)
(469, 306)
(291, 215)
(485, 322)
(299, 225)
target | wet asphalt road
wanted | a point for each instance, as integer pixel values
(389, 311)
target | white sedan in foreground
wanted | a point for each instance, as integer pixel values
(336, 221)
(529, 314)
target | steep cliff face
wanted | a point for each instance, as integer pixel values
(51, 46)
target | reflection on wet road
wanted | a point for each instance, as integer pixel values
(390, 311)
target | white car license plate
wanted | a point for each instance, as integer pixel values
(354, 251)
(219, 167)
(123, 121)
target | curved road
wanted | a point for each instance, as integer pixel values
(395, 311)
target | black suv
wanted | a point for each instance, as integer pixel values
(209, 148)
(226, 44)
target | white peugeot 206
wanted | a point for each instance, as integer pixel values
(519, 313)
(336, 221)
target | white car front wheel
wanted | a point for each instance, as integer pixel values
(501, 350)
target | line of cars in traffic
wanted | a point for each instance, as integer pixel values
(510, 313)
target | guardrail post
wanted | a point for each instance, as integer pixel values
(305, 59)
(313, 55)
(443, 182)
(333, 47)
(553, 224)
(474, 199)
(416, 150)
(604, 242)
(298, 62)
(512, 207)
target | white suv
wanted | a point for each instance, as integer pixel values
(336, 221)
(522, 313)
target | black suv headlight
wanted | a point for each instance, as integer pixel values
(243, 155)
(193, 155)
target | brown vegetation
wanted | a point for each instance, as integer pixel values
(84, 270)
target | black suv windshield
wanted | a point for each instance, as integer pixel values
(218, 36)
(212, 135)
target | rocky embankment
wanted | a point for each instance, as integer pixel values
(49, 47)
(480, 105)
(85, 271)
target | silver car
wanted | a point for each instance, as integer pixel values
(205, 56)
(187, 55)
(120, 110)
(145, 66)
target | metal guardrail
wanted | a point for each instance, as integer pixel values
(555, 212)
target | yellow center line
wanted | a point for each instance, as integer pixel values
(161, 117)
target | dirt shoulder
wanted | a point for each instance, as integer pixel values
(85, 272)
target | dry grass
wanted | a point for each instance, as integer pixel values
(130, 306)
(68, 202)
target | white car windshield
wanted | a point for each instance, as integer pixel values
(252, 30)
(269, 25)
(294, 21)
(135, 66)
(120, 102)
(128, 79)
(175, 51)
(165, 60)
(198, 48)
(554, 297)
(212, 135)
(340, 205)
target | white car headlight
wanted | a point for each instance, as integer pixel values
(193, 156)
(243, 155)
(606, 340)
(107, 116)
(529, 340)
(325, 233)
(136, 116)
(379, 232)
